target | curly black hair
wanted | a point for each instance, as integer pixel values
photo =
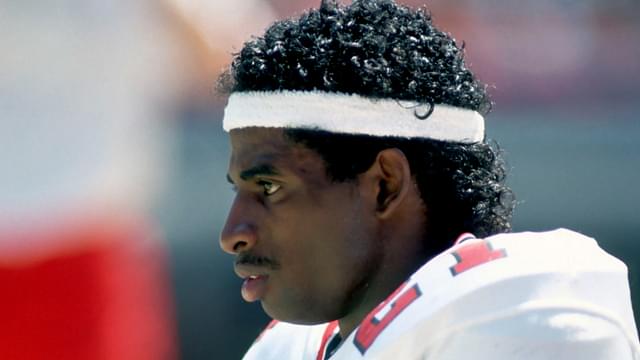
(379, 49)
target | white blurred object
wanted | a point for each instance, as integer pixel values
(84, 91)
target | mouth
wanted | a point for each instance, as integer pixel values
(254, 288)
(255, 282)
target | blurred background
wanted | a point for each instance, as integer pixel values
(113, 160)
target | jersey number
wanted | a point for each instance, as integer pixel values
(474, 254)
(372, 326)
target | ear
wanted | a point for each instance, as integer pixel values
(392, 176)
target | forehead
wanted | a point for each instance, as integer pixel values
(255, 147)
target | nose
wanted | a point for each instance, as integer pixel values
(239, 231)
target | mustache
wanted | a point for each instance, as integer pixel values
(254, 260)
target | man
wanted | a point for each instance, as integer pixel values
(362, 179)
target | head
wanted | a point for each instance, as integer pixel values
(333, 221)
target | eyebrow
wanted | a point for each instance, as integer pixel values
(255, 171)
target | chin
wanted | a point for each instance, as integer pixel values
(300, 315)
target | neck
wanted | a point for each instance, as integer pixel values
(402, 252)
(377, 288)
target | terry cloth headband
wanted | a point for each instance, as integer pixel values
(352, 114)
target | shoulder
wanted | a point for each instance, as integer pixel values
(522, 260)
(283, 341)
(532, 332)
(557, 283)
(549, 293)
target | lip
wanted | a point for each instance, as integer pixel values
(255, 282)
(246, 271)
(254, 288)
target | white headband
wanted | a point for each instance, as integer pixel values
(352, 114)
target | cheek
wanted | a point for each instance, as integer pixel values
(330, 237)
(337, 253)
(326, 253)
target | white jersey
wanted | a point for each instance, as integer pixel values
(533, 296)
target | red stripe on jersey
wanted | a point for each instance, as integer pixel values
(464, 237)
(325, 338)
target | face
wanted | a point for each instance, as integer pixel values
(304, 244)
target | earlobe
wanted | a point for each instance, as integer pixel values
(394, 181)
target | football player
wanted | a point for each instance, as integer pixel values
(371, 219)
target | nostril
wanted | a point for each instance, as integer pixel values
(239, 245)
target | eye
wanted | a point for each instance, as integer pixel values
(269, 188)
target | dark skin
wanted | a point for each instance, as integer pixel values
(323, 250)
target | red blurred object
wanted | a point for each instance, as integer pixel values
(105, 298)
